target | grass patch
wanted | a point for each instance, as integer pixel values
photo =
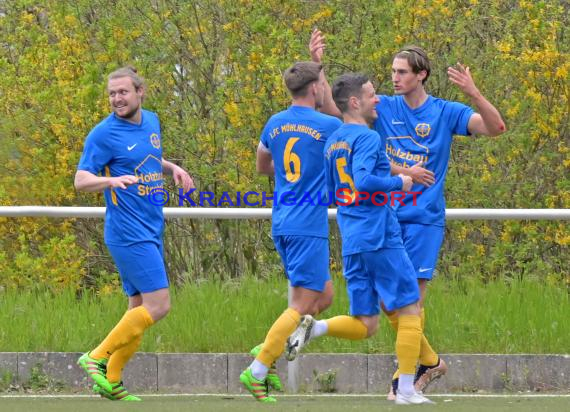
(40, 382)
(286, 404)
(6, 380)
(468, 316)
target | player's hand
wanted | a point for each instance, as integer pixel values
(122, 181)
(317, 46)
(420, 175)
(406, 182)
(182, 178)
(461, 76)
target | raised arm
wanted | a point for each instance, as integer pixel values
(317, 48)
(487, 120)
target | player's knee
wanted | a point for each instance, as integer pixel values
(422, 283)
(371, 329)
(325, 301)
(413, 309)
(165, 308)
(305, 307)
(371, 324)
(307, 304)
(323, 305)
(312, 309)
(159, 310)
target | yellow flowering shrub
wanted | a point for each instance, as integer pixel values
(213, 71)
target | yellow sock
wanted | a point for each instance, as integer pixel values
(119, 359)
(428, 357)
(131, 326)
(408, 343)
(393, 320)
(346, 327)
(274, 344)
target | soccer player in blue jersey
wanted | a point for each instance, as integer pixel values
(122, 157)
(376, 266)
(418, 130)
(291, 149)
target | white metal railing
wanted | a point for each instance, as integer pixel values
(265, 213)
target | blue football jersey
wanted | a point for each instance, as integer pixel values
(296, 138)
(114, 148)
(424, 135)
(355, 160)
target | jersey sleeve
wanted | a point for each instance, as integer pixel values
(364, 161)
(329, 177)
(96, 153)
(264, 138)
(458, 116)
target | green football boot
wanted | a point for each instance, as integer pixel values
(273, 379)
(96, 370)
(257, 388)
(119, 393)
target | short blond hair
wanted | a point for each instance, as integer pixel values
(130, 72)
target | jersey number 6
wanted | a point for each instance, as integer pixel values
(291, 161)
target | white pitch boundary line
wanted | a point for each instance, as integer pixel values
(332, 395)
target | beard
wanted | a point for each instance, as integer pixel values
(130, 114)
(371, 118)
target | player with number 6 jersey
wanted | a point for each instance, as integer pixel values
(296, 138)
(291, 149)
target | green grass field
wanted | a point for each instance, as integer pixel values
(286, 404)
(462, 317)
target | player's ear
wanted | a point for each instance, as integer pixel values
(315, 88)
(353, 102)
(422, 74)
(140, 92)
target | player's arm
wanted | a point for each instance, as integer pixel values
(417, 172)
(364, 161)
(97, 153)
(369, 183)
(317, 48)
(488, 120)
(264, 161)
(180, 176)
(88, 182)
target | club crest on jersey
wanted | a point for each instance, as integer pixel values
(155, 140)
(423, 129)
